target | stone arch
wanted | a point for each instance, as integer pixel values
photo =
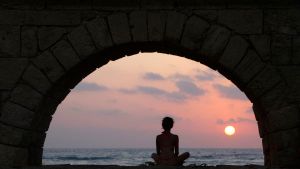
(49, 77)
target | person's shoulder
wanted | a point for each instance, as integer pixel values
(175, 135)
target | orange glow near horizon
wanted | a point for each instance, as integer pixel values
(122, 103)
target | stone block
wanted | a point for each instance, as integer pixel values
(284, 21)
(276, 144)
(53, 18)
(65, 54)
(156, 25)
(157, 4)
(35, 156)
(262, 44)
(11, 17)
(296, 50)
(69, 4)
(283, 118)
(291, 74)
(284, 147)
(4, 95)
(17, 115)
(49, 65)
(49, 105)
(196, 4)
(248, 67)
(9, 41)
(266, 151)
(138, 25)
(289, 158)
(29, 41)
(100, 33)
(261, 129)
(27, 4)
(13, 136)
(37, 139)
(26, 96)
(10, 71)
(291, 138)
(242, 21)
(82, 42)
(214, 43)
(47, 36)
(58, 95)
(20, 137)
(13, 156)
(258, 112)
(281, 47)
(262, 82)
(37, 79)
(246, 4)
(274, 98)
(193, 34)
(210, 15)
(116, 4)
(44, 123)
(234, 52)
(90, 15)
(174, 26)
(119, 28)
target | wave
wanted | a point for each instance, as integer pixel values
(206, 157)
(132, 157)
(78, 158)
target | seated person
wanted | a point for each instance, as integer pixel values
(167, 146)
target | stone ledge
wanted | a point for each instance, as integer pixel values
(130, 4)
(7, 153)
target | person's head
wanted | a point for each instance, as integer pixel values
(167, 123)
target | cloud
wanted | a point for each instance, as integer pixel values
(180, 77)
(127, 91)
(151, 90)
(171, 96)
(205, 76)
(153, 76)
(235, 121)
(189, 87)
(156, 92)
(105, 112)
(230, 92)
(111, 112)
(185, 88)
(86, 86)
(176, 96)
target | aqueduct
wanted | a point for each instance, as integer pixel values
(48, 46)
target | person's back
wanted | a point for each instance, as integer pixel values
(167, 146)
(167, 143)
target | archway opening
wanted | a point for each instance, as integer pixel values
(121, 106)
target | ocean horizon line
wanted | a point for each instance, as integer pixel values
(150, 148)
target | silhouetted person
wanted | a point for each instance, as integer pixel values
(167, 146)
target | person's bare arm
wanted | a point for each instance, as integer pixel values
(157, 146)
(176, 145)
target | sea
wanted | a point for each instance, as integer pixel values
(139, 156)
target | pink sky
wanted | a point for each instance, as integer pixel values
(122, 103)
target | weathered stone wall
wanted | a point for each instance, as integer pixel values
(48, 46)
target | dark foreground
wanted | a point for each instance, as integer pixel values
(140, 167)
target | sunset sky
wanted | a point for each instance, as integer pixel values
(121, 105)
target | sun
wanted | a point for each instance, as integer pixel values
(229, 130)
